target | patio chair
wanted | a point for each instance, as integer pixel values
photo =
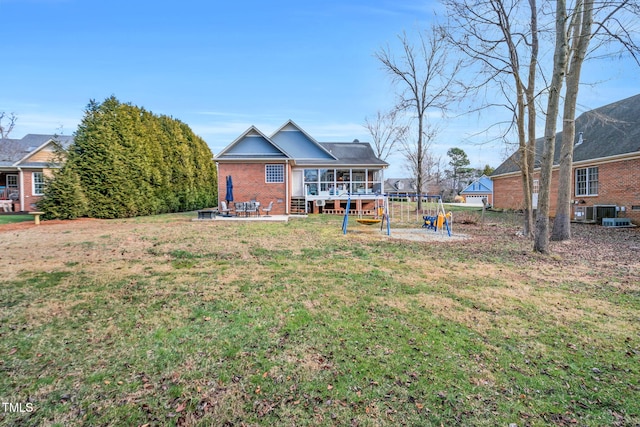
(240, 208)
(224, 210)
(250, 208)
(267, 210)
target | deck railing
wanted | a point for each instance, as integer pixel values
(9, 194)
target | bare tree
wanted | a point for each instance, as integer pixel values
(386, 131)
(425, 74)
(560, 56)
(500, 37)
(615, 25)
(421, 162)
(578, 42)
(5, 129)
(9, 148)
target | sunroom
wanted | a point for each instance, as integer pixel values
(328, 190)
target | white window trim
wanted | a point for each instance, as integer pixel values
(14, 186)
(33, 183)
(587, 192)
(267, 175)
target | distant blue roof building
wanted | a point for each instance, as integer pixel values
(479, 189)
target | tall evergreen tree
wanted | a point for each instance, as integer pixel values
(64, 185)
(130, 162)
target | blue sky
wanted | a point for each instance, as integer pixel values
(223, 66)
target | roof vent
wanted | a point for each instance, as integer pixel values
(356, 141)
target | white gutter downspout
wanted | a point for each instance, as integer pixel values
(22, 191)
(218, 186)
(286, 189)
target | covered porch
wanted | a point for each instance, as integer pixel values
(334, 191)
(9, 192)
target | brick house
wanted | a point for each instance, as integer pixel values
(24, 164)
(299, 174)
(606, 166)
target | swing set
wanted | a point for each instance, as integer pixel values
(438, 219)
(381, 214)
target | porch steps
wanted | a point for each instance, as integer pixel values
(298, 206)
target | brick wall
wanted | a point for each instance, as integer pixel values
(27, 193)
(618, 184)
(249, 184)
(507, 192)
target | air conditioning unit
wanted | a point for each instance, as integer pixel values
(604, 211)
(319, 202)
(583, 214)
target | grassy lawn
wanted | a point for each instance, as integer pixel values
(165, 321)
(10, 219)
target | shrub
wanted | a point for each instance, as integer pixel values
(130, 162)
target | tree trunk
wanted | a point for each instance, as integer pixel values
(531, 113)
(525, 160)
(420, 171)
(541, 236)
(561, 223)
(582, 22)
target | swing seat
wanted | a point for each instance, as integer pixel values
(368, 221)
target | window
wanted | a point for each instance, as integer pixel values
(310, 175)
(38, 183)
(359, 183)
(12, 182)
(327, 181)
(338, 182)
(587, 181)
(274, 173)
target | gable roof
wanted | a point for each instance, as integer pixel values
(299, 144)
(608, 131)
(482, 185)
(293, 143)
(252, 144)
(400, 185)
(16, 152)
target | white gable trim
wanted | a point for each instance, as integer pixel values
(34, 151)
(252, 131)
(291, 124)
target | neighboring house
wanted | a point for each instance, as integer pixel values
(400, 186)
(606, 166)
(481, 188)
(299, 174)
(406, 187)
(24, 164)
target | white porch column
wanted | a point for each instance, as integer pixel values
(22, 189)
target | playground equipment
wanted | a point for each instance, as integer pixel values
(379, 215)
(440, 219)
(382, 214)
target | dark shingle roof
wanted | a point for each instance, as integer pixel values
(353, 153)
(12, 150)
(611, 130)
